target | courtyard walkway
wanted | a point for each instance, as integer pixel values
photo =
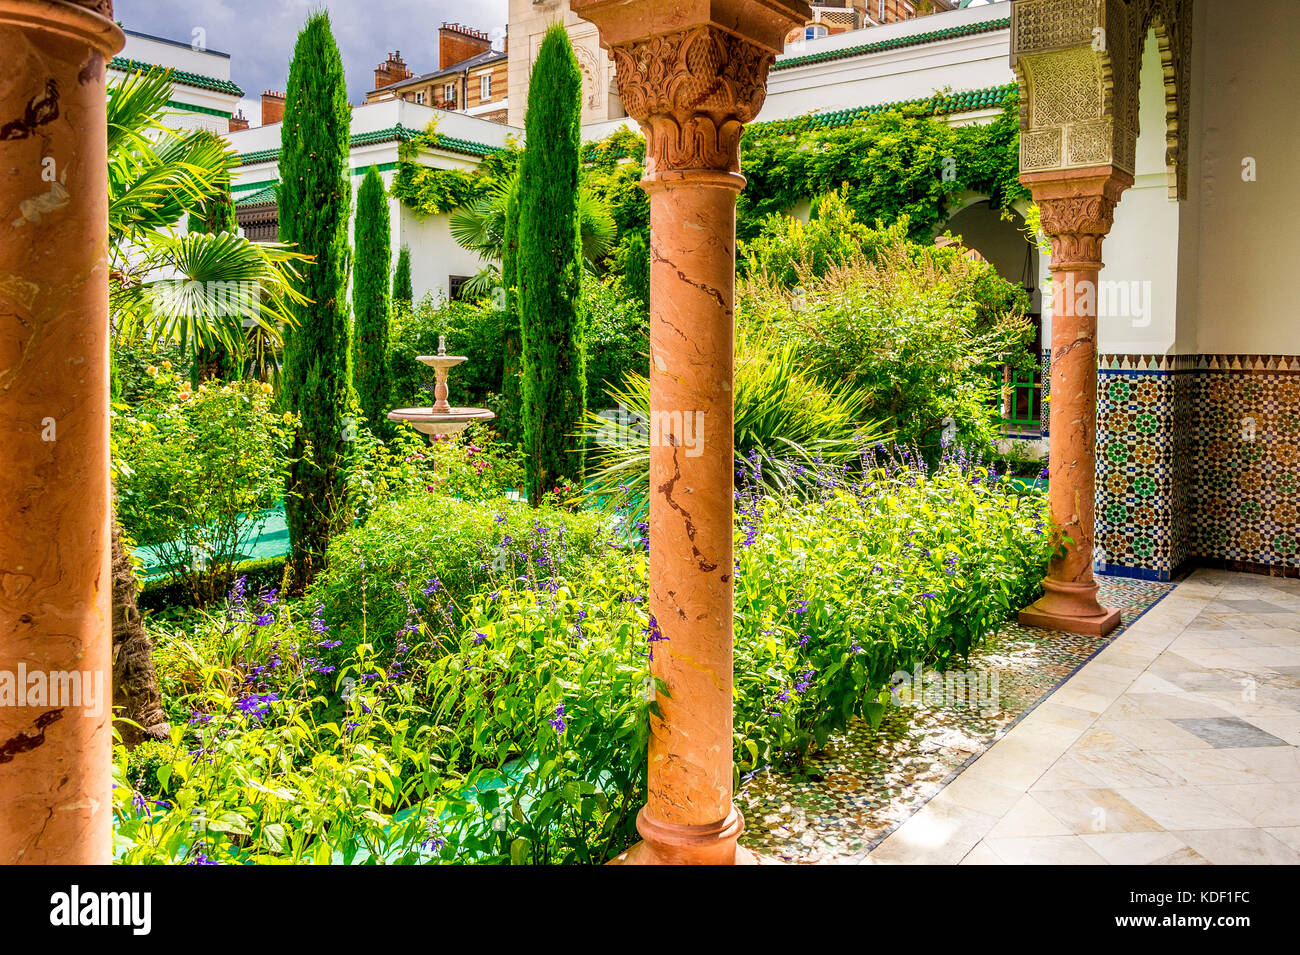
(1179, 743)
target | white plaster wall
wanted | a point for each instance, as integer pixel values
(1141, 252)
(177, 56)
(1241, 236)
(963, 63)
(435, 256)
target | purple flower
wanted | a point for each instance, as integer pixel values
(653, 635)
(432, 586)
(479, 636)
(238, 591)
(318, 625)
(805, 681)
(558, 722)
(256, 705)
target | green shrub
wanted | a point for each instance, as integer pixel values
(788, 250)
(195, 471)
(618, 337)
(507, 721)
(473, 465)
(402, 291)
(835, 596)
(371, 302)
(920, 331)
(445, 547)
(785, 420)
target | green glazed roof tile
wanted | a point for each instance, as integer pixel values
(183, 77)
(941, 104)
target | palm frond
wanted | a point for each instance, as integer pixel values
(205, 287)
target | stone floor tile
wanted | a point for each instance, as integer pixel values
(1184, 807)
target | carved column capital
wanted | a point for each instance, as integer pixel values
(692, 91)
(1077, 211)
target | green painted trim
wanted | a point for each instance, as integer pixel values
(914, 39)
(399, 133)
(183, 77)
(191, 108)
(253, 186)
(250, 194)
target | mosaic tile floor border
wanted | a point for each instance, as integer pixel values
(867, 783)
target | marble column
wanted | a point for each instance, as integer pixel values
(1077, 208)
(692, 73)
(55, 583)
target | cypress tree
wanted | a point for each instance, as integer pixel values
(549, 270)
(314, 198)
(370, 300)
(402, 291)
(511, 398)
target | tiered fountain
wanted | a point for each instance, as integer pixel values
(442, 418)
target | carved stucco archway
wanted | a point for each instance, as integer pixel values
(1078, 64)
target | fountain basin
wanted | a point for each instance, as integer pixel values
(433, 422)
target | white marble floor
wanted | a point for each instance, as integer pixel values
(1179, 743)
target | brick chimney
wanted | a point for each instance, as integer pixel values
(238, 121)
(393, 70)
(272, 107)
(457, 43)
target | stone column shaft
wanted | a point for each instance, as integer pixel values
(692, 73)
(692, 291)
(55, 581)
(1077, 208)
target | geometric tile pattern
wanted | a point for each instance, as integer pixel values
(1198, 456)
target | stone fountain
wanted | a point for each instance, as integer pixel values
(442, 418)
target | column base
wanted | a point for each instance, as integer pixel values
(1070, 608)
(669, 844)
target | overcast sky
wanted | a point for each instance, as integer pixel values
(259, 34)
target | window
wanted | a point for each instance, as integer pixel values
(815, 30)
(485, 87)
(419, 97)
(449, 93)
(454, 285)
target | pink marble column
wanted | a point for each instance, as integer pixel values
(55, 584)
(1077, 208)
(692, 73)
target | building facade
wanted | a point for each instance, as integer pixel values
(472, 78)
(203, 95)
(438, 263)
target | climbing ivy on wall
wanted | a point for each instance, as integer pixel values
(904, 162)
(896, 164)
(426, 191)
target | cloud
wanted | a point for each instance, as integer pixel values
(259, 34)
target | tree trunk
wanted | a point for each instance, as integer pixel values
(135, 683)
